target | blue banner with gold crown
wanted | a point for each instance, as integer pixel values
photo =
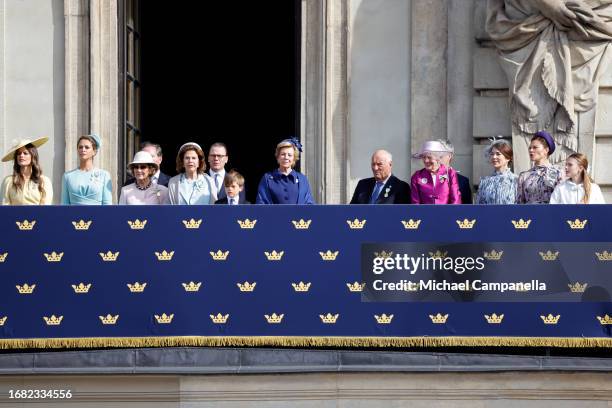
(131, 276)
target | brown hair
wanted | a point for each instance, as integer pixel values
(180, 168)
(232, 177)
(586, 179)
(544, 143)
(91, 139)
(504, 148)
(19, 180)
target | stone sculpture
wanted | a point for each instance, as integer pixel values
(553, 53)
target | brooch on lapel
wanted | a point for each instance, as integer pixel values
(443, 177)
(423, 180)
(387, 191)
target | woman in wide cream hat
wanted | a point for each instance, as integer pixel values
(27, 185)
(143, 190)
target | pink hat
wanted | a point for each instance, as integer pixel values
(431, 146)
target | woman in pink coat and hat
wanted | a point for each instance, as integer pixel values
(435, 183)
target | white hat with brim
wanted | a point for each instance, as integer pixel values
(431, 146)
(24, 142)
(143, 157)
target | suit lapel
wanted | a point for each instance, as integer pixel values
(386, 191)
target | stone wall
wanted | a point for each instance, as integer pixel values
(510, 389)
(32, 80)
(491, 111)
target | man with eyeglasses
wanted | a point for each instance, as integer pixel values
(217, 159)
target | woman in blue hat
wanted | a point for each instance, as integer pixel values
(87, 185)
(535, 186)
(285, 185)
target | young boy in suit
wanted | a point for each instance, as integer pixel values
(234, 184)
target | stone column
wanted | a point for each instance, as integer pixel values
(76, 20)
(428, 73)
(323, 98)
(104, 84)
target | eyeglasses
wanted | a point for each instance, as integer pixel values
(140, 166)
(216, 156)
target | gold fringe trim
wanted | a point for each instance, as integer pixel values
(304, 341)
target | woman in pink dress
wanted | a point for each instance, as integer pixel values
(435, 183)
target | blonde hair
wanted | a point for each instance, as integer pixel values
(586, 179)
(284, 144)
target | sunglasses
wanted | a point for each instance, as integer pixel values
(140, 166)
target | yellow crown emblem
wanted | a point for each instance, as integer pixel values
(164, 255)
(109, 319)
(356, 224)
(192, 286)
(137, 287)
(301, 287)
(466, 224)
(577, 287)
(109, 256)
(3, 256)
(604, 256)
(164, 318)
(521, 224)
(219, 255)
(219, 318)
(550, 319)
(247, 224)
(81, 288)
(493, 255)
(549, 255)
(25, 225)
(329, 318)
(355, 286)
(3, 320)
(603, 320)
(329, 255)
(137, 224)
(246, 286)
(383, 254)
(301, 224)
(25, 289)
(274, 318)
(383, 318)
(192, 224)
(274, 256)
(439, 318)
(53, 320)
(494, 318)
(54, 256)
(577, 224)
(438, 254)
(81, 225)
(411, 224)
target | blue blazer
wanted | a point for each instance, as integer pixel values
(270, 187)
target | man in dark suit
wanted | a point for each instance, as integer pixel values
(217, 159)
(156, 152)
(464, 183)
(384, 187)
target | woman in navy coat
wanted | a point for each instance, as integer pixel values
(285, 185)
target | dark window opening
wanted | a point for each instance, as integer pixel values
(212, 72)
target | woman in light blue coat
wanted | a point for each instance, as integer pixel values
(87, 185)
(192, 186)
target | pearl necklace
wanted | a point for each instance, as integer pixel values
(145, 187)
